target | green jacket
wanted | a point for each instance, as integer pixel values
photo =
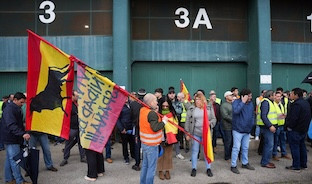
(226, 114)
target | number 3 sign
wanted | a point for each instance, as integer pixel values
(48, 12)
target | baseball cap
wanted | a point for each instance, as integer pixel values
(141, 92)
(227, 93)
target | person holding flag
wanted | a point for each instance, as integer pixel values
(242, 123)
(195, 125)
(164, 162)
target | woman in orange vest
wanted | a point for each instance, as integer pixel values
(165, 161)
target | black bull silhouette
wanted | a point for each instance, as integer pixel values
(50, 98)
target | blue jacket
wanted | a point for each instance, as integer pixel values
(12, 125)
(299, 116)
(243, 116)
(124, 121)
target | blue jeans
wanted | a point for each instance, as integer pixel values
(268, 142)
(240, 140)
(195, 150)
(257, 132)
(108, 148)
(228, 144)
(11, 169)
(298, 149)
(44, 143)
(279, 139)
(149, 164)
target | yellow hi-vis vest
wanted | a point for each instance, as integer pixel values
(218, 101)
(183, 115)
(1, 104)
(272, 115)
(285, 105)
(279, 112)
(147, 135)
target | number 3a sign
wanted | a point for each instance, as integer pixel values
(49, 15)
(201, 18)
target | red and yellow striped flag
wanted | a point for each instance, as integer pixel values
(185, 91)
(207, 142)
(99, 104)
(171, 130)
(49, 88)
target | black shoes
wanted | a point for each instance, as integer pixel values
(84, 160)
(52, 169)
(64, 162)
(136, 168)
(209, 173)
(235, 170)
(193, 173)
(247, 166)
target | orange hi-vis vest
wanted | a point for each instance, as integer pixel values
(147, 135)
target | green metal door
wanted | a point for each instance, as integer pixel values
(12, 82)
(289, 76)
(207, 76)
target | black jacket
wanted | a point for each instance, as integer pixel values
(74, 124)
(299, 116)
(124, 121)
(135, 113)
(12, 129)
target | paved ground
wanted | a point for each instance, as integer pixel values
(118, 172)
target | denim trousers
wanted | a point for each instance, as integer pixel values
(108, 149)
(149, 164)
(73, 139)
(228, 144)
(268, 142)
(279, 140)
(44, 143)
(195, 150)
(137, 150)
(240, 140)
(298, 149)
(257, 131)
(11, 169)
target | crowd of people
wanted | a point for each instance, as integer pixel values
(275, 119)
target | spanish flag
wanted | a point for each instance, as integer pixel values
(49, 88)
(100, 102)
(207, 143)
(171, 130)
(185, 91)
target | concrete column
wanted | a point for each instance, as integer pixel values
(259, 47)
(121, 43)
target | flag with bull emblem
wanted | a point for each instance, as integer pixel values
(99, 104)
(49, 88)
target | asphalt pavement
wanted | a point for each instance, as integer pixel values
(120, 173)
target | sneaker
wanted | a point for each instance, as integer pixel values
(89, 179)
(293, 169)
(84, 160)
(136, 168)
(209, 173)
(64, 162)
(235, 170)
(247, 166)
(193, 173)
(52, 169)
(127, 161)
(100, 174)
(278, 149)
(179, 156)
(109, 160)
(257, 138)
(251, 136)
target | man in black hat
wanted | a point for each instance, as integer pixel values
(135, 112)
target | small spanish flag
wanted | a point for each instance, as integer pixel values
(207, 143)
(185, 91)
(171, 130)
(50, 81)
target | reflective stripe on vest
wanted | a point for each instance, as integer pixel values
(272, 115)
(1, 104)
(147, 135)
(279, 112)
(183, 115)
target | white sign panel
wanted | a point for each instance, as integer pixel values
(265, 79)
